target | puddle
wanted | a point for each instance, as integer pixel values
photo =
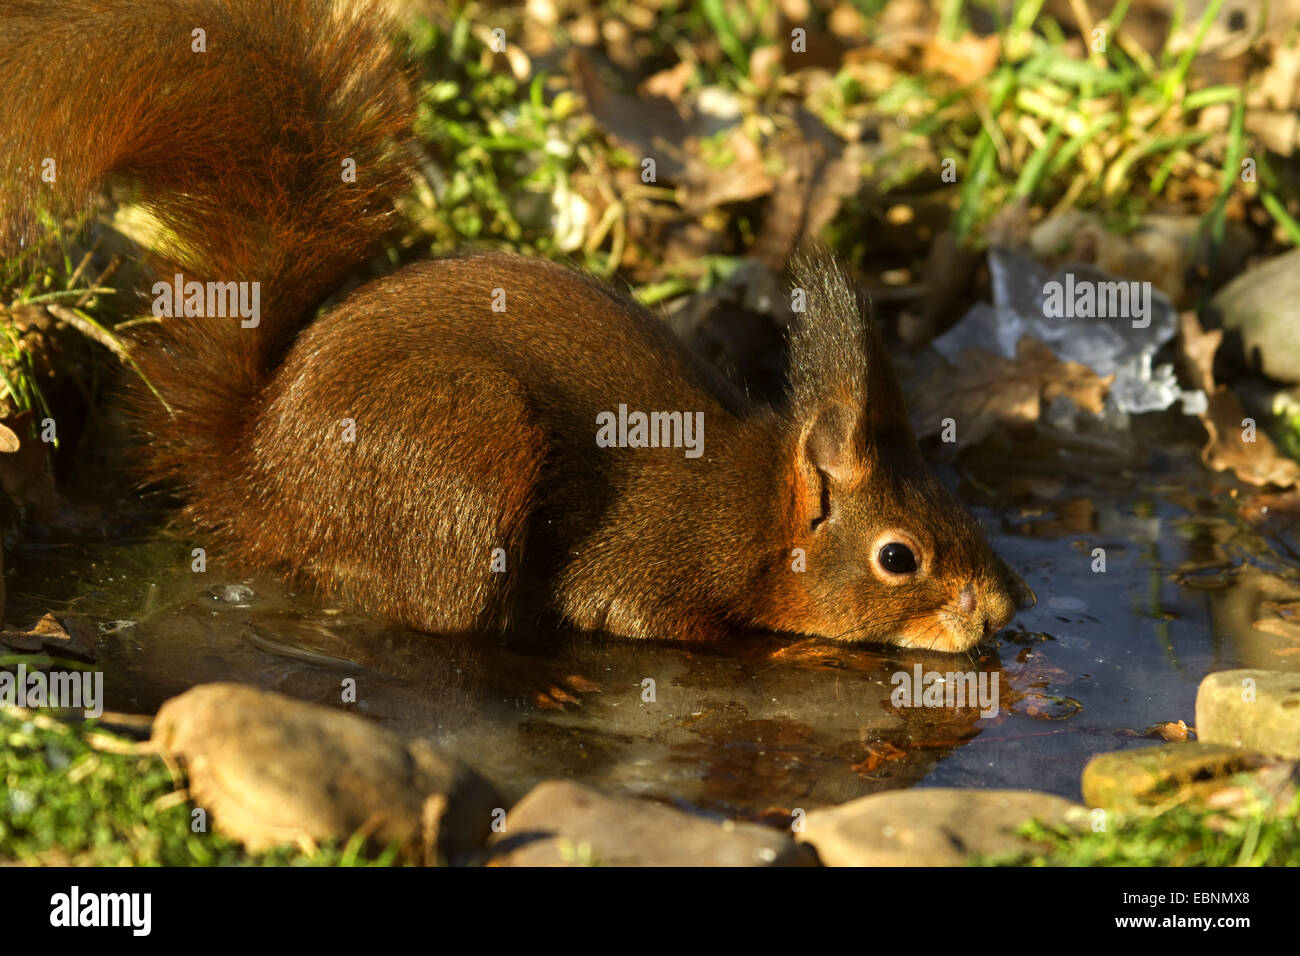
(765, 725)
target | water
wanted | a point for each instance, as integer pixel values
(763, 725)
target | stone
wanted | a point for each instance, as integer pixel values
(273, 770)
(1263, 715)
(930, 827)
(561, 823)
(1150, 776)
(1260, 310)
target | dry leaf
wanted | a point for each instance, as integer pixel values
(765, 66)
(818, 172)
(653, 127)
(1256, 462)
(1196, 350)
(987, 393)
(1283, 619)
(73, 637)
(1170, 730)
(966, 60)
(670, 83)
(879, 753)
(744, 177)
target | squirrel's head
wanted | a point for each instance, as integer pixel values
(889, 555)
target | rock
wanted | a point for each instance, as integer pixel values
(274, 770)
(1260, 310)
(1268, 720)
(939, 827)
(1161, 249)
(560, 823)
(1133, 779)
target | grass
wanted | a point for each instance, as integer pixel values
(503, 157)
(1107, 128)
(1056, 124)
(39, 292)
(78, 795)
(1181, 836)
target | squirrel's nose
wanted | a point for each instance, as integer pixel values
(997, 615)
(994, 615)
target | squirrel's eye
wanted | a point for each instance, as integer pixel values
(897, 558)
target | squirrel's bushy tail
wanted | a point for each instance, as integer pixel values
(229, 123)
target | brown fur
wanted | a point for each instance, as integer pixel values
(475, 429)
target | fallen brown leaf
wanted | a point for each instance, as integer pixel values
(879, 753)
(1196, 350)
(966, 59)
(670, 83)
(1257, 462)
(71, 637)
(658, 128)
(1282, 620)
(987, 393)
(1172, 730)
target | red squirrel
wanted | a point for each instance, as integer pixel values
(462, 425)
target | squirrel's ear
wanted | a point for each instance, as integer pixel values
(831, 443)
(845, 394)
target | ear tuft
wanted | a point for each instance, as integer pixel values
(830, 342)
(837, 357)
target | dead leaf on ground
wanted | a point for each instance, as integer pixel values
(670, 133)
(878, 754)
(967, 59)
(670, 83)
(1256, 461)
(1282, 619)
(765, 66)
(699, 145)
(704, 186)
(987, 393)
(1196, 350)
(1172, 730)
(818, 172)
(71, 637)
(949, 275)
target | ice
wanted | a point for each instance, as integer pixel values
(236, 595)
(1112, 325)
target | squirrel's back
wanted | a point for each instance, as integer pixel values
(460, 399)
